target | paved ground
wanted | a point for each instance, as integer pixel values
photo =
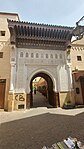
(40, 101)
(41, 126)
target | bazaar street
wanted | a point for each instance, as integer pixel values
(39, 126)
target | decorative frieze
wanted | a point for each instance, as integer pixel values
(25, 43)
(40, 57)
(79, 48)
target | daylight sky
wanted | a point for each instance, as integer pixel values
(56, 12)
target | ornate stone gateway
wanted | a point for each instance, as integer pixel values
(39, 50)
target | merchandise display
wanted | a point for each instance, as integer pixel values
(69, 143)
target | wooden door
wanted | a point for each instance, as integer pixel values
(2, 95)
(82, 87)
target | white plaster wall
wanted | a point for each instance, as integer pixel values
(63, 76)
(52, 65)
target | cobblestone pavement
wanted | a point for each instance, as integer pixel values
(40, 128)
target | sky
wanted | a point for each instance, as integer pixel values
(56, 12)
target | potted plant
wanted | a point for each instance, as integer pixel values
(68, 105)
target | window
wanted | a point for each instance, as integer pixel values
(2, 33)
(26, 54)
(37, 55)
(56, 56)
(46, 55)
(51, 56)
(77, 91)
(2, 80)
(21, 106)
(79, 58)
(21, 54)
(1, 54)
(60, 56)
(32, 55)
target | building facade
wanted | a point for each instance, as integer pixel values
(5, 58)
(77, 66)
(30, 50)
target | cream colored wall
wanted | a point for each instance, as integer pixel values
(78, 97)
(77, 51)
(4, 25)
(5, 48)
(5, 70)
(79, 42)
(66, 96)
(41, 81)
(10, 16)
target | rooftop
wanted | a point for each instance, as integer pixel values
(45, 31)
(12, 14)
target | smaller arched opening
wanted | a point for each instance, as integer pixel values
(45, 89)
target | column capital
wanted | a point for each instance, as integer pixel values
(13, 64)
(68, 66)
(12, 46)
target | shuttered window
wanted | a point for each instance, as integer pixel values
(1, 54)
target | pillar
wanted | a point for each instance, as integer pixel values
(68, 68)
(12, 80)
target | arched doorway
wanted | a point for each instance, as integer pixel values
(51, 95)
(40, 93)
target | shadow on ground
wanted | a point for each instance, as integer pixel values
(35, 132)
